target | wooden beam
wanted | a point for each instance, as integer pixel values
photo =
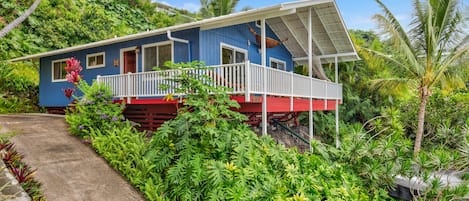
(301, 41)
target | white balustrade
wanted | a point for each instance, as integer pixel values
(237, 78)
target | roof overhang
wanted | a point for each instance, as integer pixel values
(287, 20)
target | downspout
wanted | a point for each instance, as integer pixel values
(189, 52)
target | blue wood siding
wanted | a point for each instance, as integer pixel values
(51, 94)
(239, 36)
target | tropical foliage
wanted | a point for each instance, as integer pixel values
(427, 56)
(93, 110)
(63, 23)
(208, 153)
(23, 173)
(18, 88)
(214, 8)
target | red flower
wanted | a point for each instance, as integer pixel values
(68, 92)
(73, 77)
(73, 65)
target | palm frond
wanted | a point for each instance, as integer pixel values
(450, 61)
(452, 80)
(392, 62)
(392, 24)
(393, 86)
(400, 42)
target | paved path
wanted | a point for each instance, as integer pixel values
(67, 169)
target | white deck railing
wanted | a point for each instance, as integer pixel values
(243, 78)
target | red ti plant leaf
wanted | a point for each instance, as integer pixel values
(12, 158)
(6, 146)
(23, 173)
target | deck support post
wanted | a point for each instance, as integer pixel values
(264, 64)
(337, 140)
(310, 75)
(247, 80)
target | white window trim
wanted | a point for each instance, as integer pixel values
(93, 55)
(271, 59)
(121, 59)
(258, 25)
(52, 70)
(155, 45)
(238, 49)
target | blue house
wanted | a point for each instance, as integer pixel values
(253, 52)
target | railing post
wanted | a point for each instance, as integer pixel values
(291, 90)
(98, 78)
(326, 94)
(128, 87)
(247, 79)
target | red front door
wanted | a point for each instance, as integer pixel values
(130, 61)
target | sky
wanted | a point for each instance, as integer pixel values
(357, 14)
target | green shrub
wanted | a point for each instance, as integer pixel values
(18, 88)
(95, 116)
(95, 109)
(123, 147)
(207, 153)
(446, 120)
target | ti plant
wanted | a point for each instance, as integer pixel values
(21, 171)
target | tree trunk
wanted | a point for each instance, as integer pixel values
(20, 19)
(424, 94)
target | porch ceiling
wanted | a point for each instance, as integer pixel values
(330, 36)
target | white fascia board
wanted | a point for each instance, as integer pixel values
(247, 18)
(345, 28)
(304, 3)
(346, 54)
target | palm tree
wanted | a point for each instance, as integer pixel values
(214, 8)
(427, 55)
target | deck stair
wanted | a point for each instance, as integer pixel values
(289, 137)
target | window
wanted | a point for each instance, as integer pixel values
(230, 54)
(277, 64)
(58, 70)
(155, 55)
(95, 60)
(258, 23)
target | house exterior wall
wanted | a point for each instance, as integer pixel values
(240, 37)
(51, 94)
(205, 45)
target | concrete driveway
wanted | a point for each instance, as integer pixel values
(67, 169)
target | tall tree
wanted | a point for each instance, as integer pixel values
(20, 19)
(214, 8)
(427, 55)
